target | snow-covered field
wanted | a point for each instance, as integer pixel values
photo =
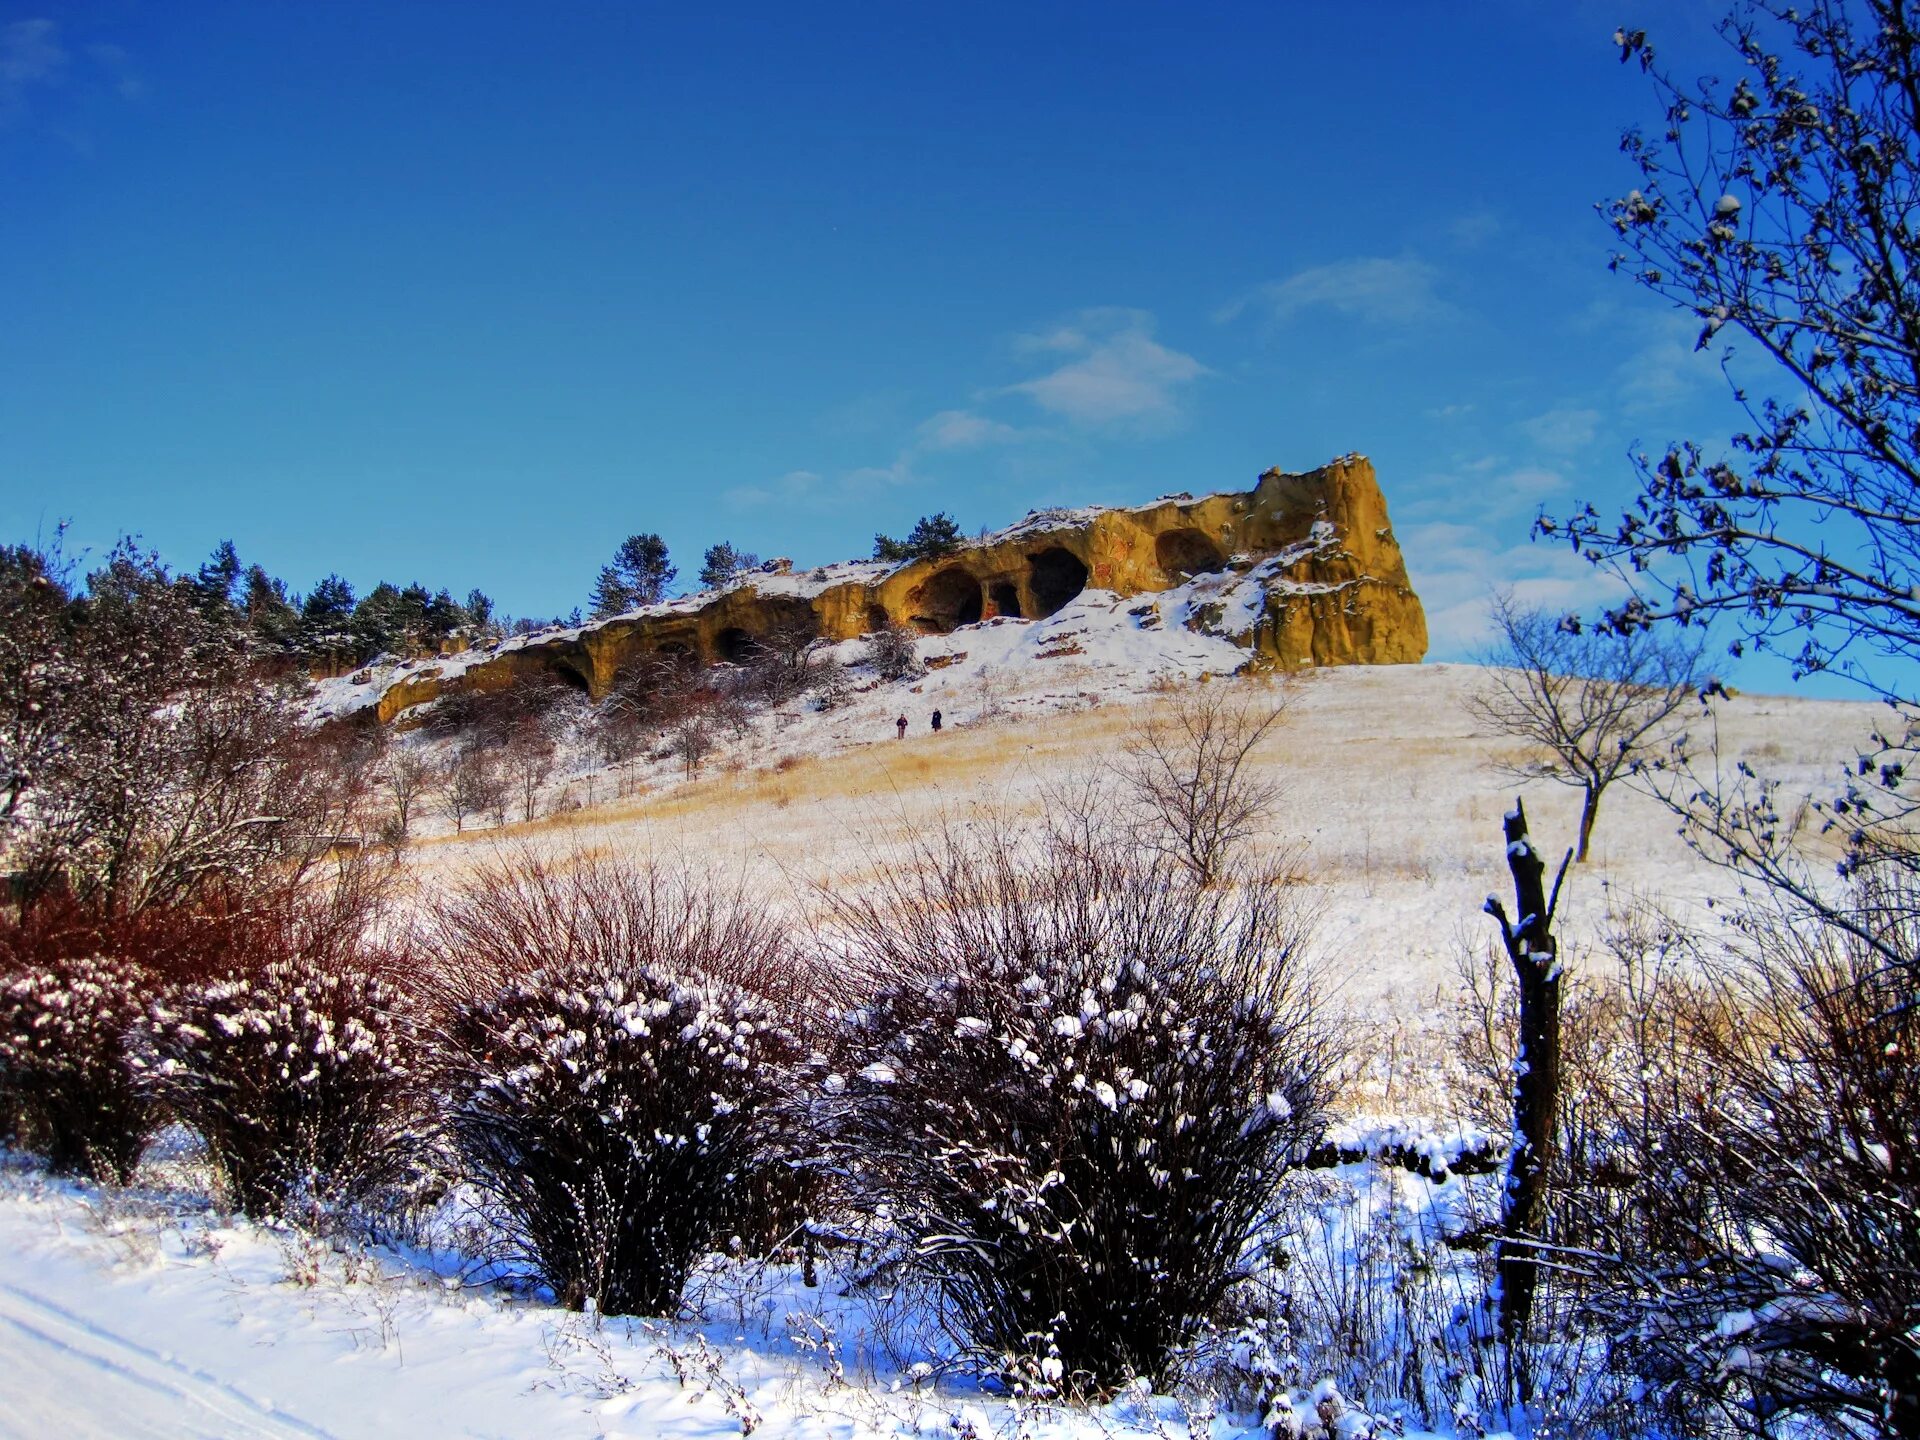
(149, 1313)
(1388, 788)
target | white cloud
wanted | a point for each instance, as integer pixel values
(880, 477)
(1668, 369)
(1456, 566)
(963, 430)
(30, 55)
(1375, 289)
(789, 489)
(1474, 229)
(1119, 375)
(1565, 427)
(1487, 488)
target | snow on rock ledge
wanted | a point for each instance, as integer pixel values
(1302, 569)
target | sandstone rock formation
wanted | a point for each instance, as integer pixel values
(1302, 569)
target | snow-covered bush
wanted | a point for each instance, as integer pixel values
(893, 651)
(612, 1111)
(1075, 1083)
(70, 1065)
(615, 1064)
(297, 1071)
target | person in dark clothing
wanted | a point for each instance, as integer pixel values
(936, 722)
(901, 726)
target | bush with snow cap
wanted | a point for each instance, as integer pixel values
(614, 1068)
(297, 1071)
(613, 1112)
(1076, 1082)
(71, 1071)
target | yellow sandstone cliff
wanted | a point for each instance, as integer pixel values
(1302, 569)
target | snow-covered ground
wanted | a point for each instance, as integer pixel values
(1390, 792)
(148, 1314)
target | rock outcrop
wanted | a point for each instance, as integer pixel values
(1302, 569)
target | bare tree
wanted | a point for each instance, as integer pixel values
(1186, 779)
(153, 765)
(1535, 956)
(408, 777)
(470, 785)
(1593, 705)
(692, 741)
(529, 758)
(1778, 210)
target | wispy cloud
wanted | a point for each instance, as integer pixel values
(1474, 229)
(1485, 489)
(1668, 369)
(963, 430)
(1375, 289)
(1455, 567)
(1563, 428)
(1116, 374)
(30, 56)
(793, 488)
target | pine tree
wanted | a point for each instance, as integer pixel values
(639, 575)
(723, 562)
(931, 537)
(269, 613)
(326, 620)
(219, 576)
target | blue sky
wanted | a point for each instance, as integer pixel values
(465, 293)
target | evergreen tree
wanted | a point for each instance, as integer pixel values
(639, 575)
(723, 562)
(479, 609)
(269, 613)
(931, 536)
(326, 620)
(218, 578)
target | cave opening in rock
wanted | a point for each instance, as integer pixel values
(1005, 598)
(736, 646)
(949, 600)
(567, 675)
(1053, 578)
(1184, 553)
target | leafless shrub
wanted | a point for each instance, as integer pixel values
(1788, 1172)
(893, 651)
(1075, 1077)
(1186, 780)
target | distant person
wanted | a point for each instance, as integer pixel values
(901, 726)
(936, 722)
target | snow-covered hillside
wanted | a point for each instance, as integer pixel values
(1389, 789)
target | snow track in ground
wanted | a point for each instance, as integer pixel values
(91, 1380)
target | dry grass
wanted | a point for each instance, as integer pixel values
(1388, 790)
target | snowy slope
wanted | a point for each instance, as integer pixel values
(148, 1316)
